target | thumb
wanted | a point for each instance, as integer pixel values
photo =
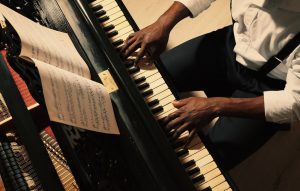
(179, 103)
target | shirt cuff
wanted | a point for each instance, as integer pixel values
(196, 6)
(278, 106)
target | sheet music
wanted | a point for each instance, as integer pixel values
(47, 45)
(76, 101)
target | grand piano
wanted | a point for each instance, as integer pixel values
(143, 157)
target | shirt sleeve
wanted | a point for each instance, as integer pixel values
(196, 6)
(284, 106)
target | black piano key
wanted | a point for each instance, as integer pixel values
(198, 179)
(103, 19)
(157, 109)
(182, 152)
(129, 64)
(143, 86)
(108, 28)
(189, 164)
(118, 42)
(153, 103)
(111, 34)
(178, 144)
(100, 13)
(193, 171)
(207, 189)
(97, 7)
(147, 93)
(133, 70)
(139, 80)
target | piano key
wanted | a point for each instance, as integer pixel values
(143, 86)
(100, 13)
(212, 183)
(165, 114)
(221, 187)
(159, 89)
(96, 6)
(207, 189)
(145, 73)
(118, 42)
(122, 32)
(188, 164)
(121, 25)
(153, 103)
(133, 70)
(156, 83)
(212, 174)
(204, 161)
(197, 155)
(114, 17)
(111, 10)
(108, 28)
(167, 108)
(198, 179)
(147, 93)
(107, 2)
(112, 34)
(157, 109)
(193, 171)
(196, 149)
(182, 152)
(140, 80)
(103, 19)
(178, 144)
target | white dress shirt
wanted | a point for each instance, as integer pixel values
(261, 29)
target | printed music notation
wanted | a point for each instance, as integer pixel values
(70, 96)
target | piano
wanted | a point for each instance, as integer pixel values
(143, 157)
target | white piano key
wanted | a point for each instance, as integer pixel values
(121, 32)
(144, 73)
(161, 116)
(221, 187)
(166, 100)
(212, 183)
(158, 90)
(156, 83)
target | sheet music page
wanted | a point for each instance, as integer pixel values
(50, 46)
(76, 101)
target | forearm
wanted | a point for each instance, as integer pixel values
(173, 15)
(240, 107)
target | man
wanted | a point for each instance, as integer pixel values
(251, 104)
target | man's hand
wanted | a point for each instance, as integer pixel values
(154, 38)
(192, 113)
(197, 112)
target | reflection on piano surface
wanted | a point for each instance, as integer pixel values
(144, 157)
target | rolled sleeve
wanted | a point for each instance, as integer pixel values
(196, 6)
(284, 106)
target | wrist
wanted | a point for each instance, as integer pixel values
(173, 15)
(219, 107)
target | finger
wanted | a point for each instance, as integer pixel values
(179, 103)
(133, 47)
(170, 117)
(179, 131)
(140, 53)
(128, 42)
(174, 123)
(190, 138)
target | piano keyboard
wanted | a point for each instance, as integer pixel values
(196, 160)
